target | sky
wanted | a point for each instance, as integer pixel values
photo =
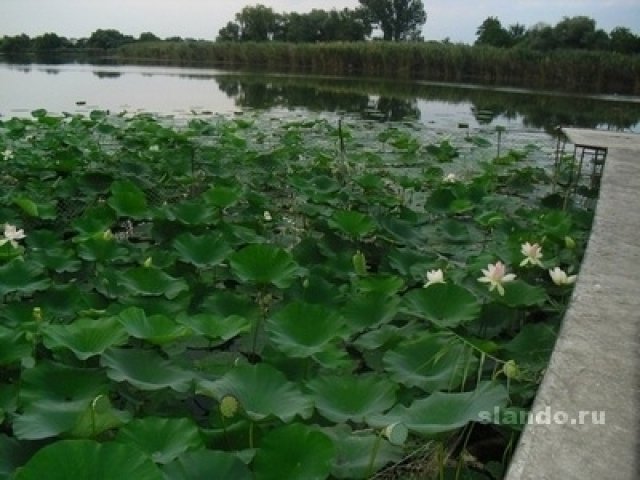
(456, 20)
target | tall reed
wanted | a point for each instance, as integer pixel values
(584, 71)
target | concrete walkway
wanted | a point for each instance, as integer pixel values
(595, 366)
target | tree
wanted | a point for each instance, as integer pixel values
(257, 23)
(229, 33)
(398, 19)
(148, 37)
(491, 32)
(575, 32)
(107, 39)
(623, 41)
(16, 45)
(49, 42)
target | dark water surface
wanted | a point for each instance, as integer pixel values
(78, 88)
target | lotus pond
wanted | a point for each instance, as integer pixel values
(273, 298)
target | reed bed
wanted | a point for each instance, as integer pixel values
(583, 71)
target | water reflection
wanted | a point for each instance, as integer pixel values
(105, 74)
(391, 101)
(205, 89)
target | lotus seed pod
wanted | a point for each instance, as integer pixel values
(229, 406)
(359, 263)
(510, 369)
(107, 235)
(396, 433)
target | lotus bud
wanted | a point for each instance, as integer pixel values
(359, 263)
(37, 314)
(229, 406)
(107, 235)
(510, 369)
(569, 242)
(305, 283)
(148, 262)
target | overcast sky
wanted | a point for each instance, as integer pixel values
(455, 19)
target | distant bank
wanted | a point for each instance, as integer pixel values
(568, 70)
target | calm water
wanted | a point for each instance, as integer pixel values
(79, 88)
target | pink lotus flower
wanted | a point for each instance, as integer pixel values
(495, 275)
(532, 254)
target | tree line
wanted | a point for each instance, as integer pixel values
(396, 20)
(571, 33)
(389, 20)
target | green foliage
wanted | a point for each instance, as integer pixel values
(169, 327)
(398, 19)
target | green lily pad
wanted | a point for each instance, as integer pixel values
(88, 460)
(39, 209)
(128, 200)
(370, 310)
(444, 412)
(100, 249)
(163, 439)
(430, 362)
(352, 223)
(303, 329)
(13, 346)
(216, 327)
(264, 264)
(352, 398)
(353, 453)
(151, 281)
(199, 465)
(262, 392)
(308, 454)
(533, 345)
(157, 329)
(521, 294)
(446, 305)
(86, 337)
(222, 197)
(145, 369)
(202, 251)
(191, 212)
(384, 285)
(22, 277)
(54, 398)
(14, 454)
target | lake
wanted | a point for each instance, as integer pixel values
(80, 88)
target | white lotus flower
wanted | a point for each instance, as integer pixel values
(495, 275)
(7, 154)
(267, 216)
(450, 178)
(434, 276)
(560, 277)
(11, 235)
(532, 254)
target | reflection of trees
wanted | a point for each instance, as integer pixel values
(399, 101)
(260, 94)
(394, 109)
(101, 74)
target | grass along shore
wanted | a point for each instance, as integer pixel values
(570, 70)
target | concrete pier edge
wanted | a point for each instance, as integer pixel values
(590, 393)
